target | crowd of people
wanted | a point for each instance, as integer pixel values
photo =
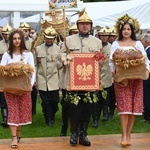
(51, 63)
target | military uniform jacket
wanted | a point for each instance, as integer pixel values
(28, 43)
(79, 45)
(105, 73)
(3, 48)
(47, 59)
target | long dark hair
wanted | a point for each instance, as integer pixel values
(120, 36)
(22, 44)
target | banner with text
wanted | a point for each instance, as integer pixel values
(58, 4)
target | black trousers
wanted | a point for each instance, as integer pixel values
(64, 103)
(65, 109)
(146, 96)
(3, 103)
(34, 99)
(112, 100)
(50, 100)
(99, 106)
(81, 112)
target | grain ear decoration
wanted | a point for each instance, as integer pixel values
(16, 69)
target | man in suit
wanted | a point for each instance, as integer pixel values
(146, 83)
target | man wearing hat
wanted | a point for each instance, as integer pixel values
(112, 100)
(4, 43)
(3, 48)
(79, 115)
(28, 42)
(26, 30)
(65, 105)
(112, 34)
(47, 55)
(73, 29)
(1, 37)
(105, 80)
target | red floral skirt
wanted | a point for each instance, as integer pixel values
(19, 109)
(129, 99)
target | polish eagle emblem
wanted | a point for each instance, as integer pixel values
(84, 71)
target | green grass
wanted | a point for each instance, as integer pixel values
(39, 129)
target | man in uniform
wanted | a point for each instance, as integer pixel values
(112, 35)
(105, 80)
(48, 65)
(65, 105)
(112, 100)
(3, 48)
(79, 115)
(1, 37)
(28, 42)
(26, 30)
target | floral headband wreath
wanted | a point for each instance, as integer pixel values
(127, 19)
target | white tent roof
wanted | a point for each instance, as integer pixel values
(24, 5)
(13, 10)
(106, 13)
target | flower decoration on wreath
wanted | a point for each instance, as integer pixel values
(127, 19)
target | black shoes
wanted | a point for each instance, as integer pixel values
(83, 140)
(74, 139)
(106, 117)
(95, 124)
(50, 123)
(111, 117)
(63, 131)
(146, 121)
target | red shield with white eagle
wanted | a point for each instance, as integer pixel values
(84, 72)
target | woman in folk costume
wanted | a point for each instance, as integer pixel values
(19, 107)
(127, 54)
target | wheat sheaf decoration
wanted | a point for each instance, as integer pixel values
(16, 69)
